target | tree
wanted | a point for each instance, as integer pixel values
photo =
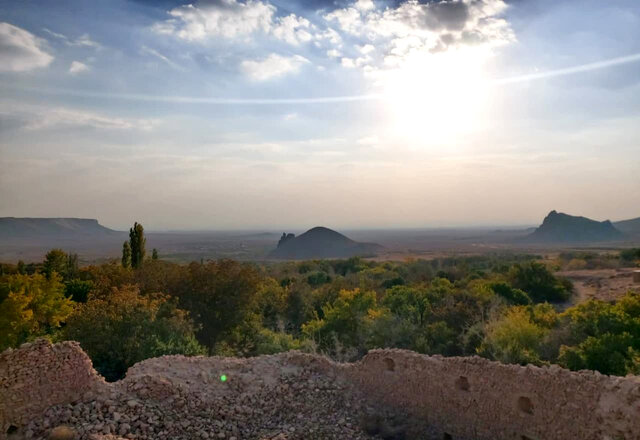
(347, 321)
(126, 327)
(154, 254)
(220, 295)
(33, 306)
(78, 290)
(137, 241)
(56, 261)
(539, 283)
(126, 255)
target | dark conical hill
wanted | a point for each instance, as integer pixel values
(321, 242)
(563, 228)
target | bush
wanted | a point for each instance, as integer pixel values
(514, 296)
(127, 327)
(513, 338)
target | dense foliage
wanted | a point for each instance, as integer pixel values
(508, 308)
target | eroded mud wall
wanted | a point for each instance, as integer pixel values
(39, 375)
(473, 398)
(459, 398)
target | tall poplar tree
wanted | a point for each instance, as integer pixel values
(137, 243)
(126, 255)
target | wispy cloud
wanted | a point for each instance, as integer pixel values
(273, 66)
(35, 117)
(163, 58)
(20, 50)
(78, 67)
(82, 41)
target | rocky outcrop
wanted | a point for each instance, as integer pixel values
(558, 227)
(390, 394)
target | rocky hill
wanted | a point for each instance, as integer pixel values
(563, 228)
(16, 227)
(631, 227)
(321, 242)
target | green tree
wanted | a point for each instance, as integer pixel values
(56, 261)
(347, 321)
(137, 241)
(539, 283)
(126, 255)
(78, 290)
(220, 295)
(154, 254)
(33, 306)
(126, 327)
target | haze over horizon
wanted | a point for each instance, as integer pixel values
(262, 114)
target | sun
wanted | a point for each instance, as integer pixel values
(436, 98)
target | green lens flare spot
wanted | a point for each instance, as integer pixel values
(223, 378)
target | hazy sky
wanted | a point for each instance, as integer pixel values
(274, 114)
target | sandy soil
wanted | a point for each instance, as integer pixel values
(602, 284)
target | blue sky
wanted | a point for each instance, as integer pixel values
(227, 114)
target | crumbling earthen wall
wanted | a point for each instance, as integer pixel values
(459, 398)
(39, 375)
(473, 398)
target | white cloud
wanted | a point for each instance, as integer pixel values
(348, 63)
(20, 50)
(78, 67)
(218, 18)
(388, 36)
(294, 30)
(374, 38)
(367, 48)
(273, 66)
(233, 19)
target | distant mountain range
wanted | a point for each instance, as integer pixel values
(563, 228)
(631, 227)
(14, 227)
(321, 242)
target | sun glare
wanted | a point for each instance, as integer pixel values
(435, 98)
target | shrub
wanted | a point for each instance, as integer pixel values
(513, 338)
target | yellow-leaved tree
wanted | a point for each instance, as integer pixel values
(31, 306)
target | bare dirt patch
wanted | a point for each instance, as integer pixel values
(601, 284)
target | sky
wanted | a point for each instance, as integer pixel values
(249, 114)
